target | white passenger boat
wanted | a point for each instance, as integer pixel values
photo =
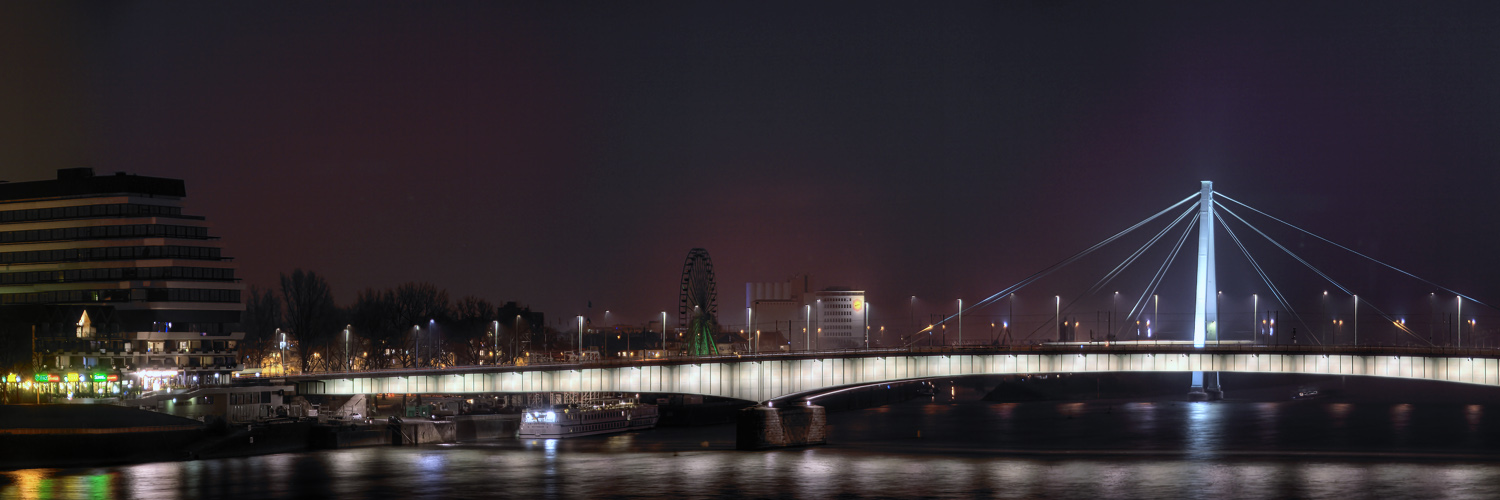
(586, 419)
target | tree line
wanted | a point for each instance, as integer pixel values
(413, 324)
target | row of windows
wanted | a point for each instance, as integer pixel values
(122, 231)
(116, 209)
(110, 253)
(119, 273)
(152, 295)
(846, 320)
(66, 362)
(193, 295)
(131, 346)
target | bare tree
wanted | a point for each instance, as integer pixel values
(261, 318)
(470, 334)
(310, 312)
(418, 307)
(375, 318)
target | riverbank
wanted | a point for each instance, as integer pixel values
(82, 435)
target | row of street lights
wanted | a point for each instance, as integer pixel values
(1259, 325)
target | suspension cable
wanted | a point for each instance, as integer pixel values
(1161, 274)
(1050, 269)
(1350, 250)
(1265, 277)
(1132, 258)
(1128, 261)
(1383, 314)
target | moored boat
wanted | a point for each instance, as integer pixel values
(587, 419)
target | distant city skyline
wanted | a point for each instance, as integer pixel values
(558, 156)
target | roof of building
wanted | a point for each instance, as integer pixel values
(82, 182)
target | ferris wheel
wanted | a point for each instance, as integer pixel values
(698, 289)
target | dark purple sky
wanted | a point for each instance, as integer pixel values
(556, 154)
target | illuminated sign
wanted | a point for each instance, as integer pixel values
(53, 377)
(72, 377)
(40, 377)
(859, 304)
(99, 377)
(112, 378)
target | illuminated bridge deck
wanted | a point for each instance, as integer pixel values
(771, 376)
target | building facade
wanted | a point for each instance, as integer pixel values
(778, 310)
(107, 287)
(800, 319)
(840, 316)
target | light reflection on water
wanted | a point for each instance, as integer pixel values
(1011, 450)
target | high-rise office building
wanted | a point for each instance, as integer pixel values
(106, 286)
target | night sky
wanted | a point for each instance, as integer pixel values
(557, 153)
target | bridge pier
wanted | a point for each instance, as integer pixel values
(763, 427)
(1205, 387)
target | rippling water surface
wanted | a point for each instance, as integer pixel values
(913, 449)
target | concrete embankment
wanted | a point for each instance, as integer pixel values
(485, 427)
(285, 436)
(424, 432)
(83, 435)
(762, 427)
(333, 437)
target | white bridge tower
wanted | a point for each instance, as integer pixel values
(1206, 310)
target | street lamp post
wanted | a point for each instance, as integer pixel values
(664, 331)
(348, 356)
(1356, 320)
(1254, 325)
(1010, 316)
(1432, 315)
(1325, 316)
(1155, 314)
(912, 310)
(1458, 317)
(495, 344)
(807, 330)
(1114, 308)
(580, 338)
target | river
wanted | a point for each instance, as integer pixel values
(919, 448)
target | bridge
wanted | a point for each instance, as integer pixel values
(769, 377)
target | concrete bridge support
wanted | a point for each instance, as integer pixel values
(1205, 387)
(765, 427)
